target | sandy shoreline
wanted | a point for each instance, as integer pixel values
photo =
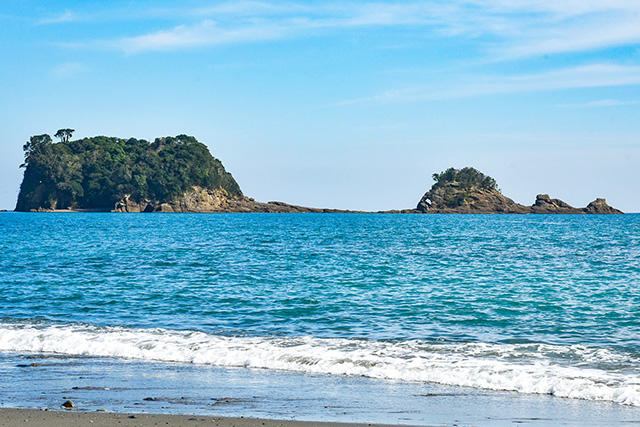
(40, 418)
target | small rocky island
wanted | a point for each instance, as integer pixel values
(179, 174)
(469, 191)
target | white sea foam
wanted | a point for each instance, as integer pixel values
(564, 371)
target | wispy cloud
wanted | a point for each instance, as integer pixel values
(603, 103)
(587, 34)
(68, 70)
(519, 28)
(589, 76)
(66, 16)
(204, 33)
(244, 22)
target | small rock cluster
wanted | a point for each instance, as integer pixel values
(454, 198)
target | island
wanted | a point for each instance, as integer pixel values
(468, 190)
(104, 174)
(179, 174)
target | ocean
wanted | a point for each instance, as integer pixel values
(413, 319)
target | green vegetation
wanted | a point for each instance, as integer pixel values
(465, 178)
(94, 173)
(454, 187)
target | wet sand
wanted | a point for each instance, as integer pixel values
(41, 418)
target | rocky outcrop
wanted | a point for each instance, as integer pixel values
(455, 198)
(467, 191)
(600, 206)
(546, 205)
(202, 200)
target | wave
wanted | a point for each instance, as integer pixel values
(565, 371)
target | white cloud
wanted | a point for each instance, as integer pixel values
(603, 103)
(590, 33)
(204, 33)
(518, 28)
(67, 16)
(252, 8)
(588, 76)
(252, 21)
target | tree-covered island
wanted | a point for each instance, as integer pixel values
(98, 172)
(170, 174)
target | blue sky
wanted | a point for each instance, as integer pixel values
(341, 104)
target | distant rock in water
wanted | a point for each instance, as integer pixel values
(546, 205)
(469, 191)
(600, 206)
(171, 174)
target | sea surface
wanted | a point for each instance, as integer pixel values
(242, 313)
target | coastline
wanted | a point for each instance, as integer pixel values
(324, 211)
(10, 417)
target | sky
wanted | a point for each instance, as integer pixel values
(349, 105)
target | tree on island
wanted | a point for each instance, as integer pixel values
(466, 178)
(64, 134)
(35, 147)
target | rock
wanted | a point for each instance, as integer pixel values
(68, 404)
(166, 208)
(455, 198)
(600, 206)
(546, 205)
(202, 200)
(129, 205)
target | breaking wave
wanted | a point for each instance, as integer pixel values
(573, 371)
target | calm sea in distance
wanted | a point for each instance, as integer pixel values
(539, 306)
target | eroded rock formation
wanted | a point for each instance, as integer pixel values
(201, 200)
(470, 191)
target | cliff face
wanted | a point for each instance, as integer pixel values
(203, 200)
(470, 191)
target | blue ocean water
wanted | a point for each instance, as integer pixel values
(533, 304)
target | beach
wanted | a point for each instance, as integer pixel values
(40, 418)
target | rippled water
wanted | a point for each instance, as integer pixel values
(546, 304)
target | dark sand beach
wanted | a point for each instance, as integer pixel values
(41, 418)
